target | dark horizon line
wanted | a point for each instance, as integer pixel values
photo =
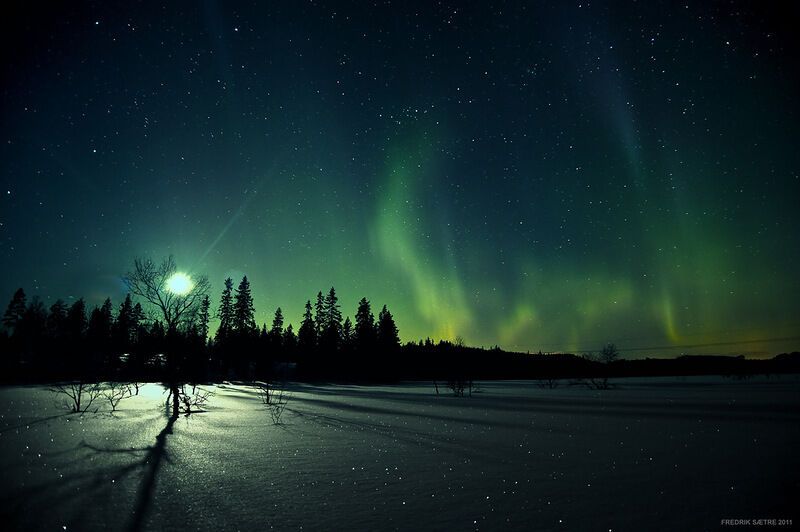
(692, 346)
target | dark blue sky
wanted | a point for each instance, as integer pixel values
(536, 176)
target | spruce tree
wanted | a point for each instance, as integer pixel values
(57, 319)
(33, 323)
(76, 320)
(225, 311)
(100, 324)
(157, 333)
(202, 325)
(244, 322)
(277, 323)
(289, 340)
(364, 332)
(332, 331)
(31, 329)
(320, 321)
(54, 355)
(123, 328)
(138, 322)
(307, 335)
(15, 310)
(388, 338)
(347, 334)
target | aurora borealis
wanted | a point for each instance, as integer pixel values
(539, 177)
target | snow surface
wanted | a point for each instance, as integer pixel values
(651, 454)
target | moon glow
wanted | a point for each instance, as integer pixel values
(179, 284)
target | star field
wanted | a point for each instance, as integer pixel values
(539, 177)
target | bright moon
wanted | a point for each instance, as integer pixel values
(179, 283)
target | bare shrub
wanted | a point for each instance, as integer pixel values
(278, 403)
(549, 382)
(593, 383)
(607, 355)
(264, 390)
(274, 398)
(598, 383)
(77, 397)
(193, 400)
(115, 392)
(460, 385)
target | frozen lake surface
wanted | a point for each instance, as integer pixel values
(651, 454)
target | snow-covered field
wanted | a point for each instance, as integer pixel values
(651, 454)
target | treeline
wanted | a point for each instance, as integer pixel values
(135, 342)
(324, 346)
(74, 342)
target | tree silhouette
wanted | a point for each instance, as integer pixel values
(225, 311)
(307, 335)
(609, 353)
(57, 320)
(332, 323)
(319, 315)
(274, 338)
(76, 321)
(123, 329)
(347, 334)
(55, 356)
(277, 323)
(388, 338)
(31, 330)
(34, 320)
(136, 336)
(15, 310)
(100, 322)
(203, 317)
(289, 341)
(138, 321)
(242, 347)
(365, 334)
(99, 336)
(244, 323)
(156, 335)
(149, 281)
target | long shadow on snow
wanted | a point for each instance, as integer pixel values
(34, 422)
(151, 462)
(595, 407)
(664, 407)
(518, 403)
(453, 446)
(344, 406)
(716, 409)
(95, 483)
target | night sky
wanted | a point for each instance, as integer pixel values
(535, 177)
